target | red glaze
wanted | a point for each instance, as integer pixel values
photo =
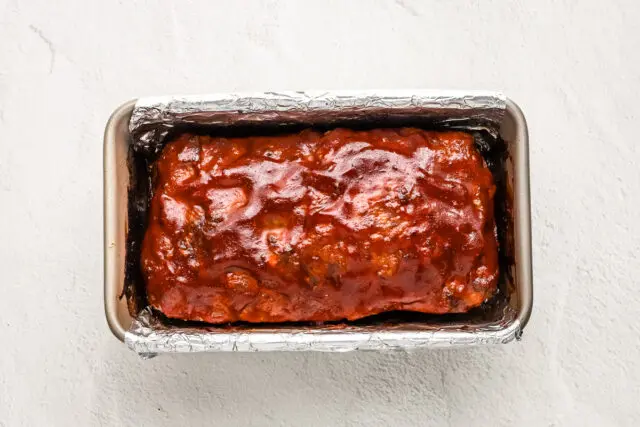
(320, 226)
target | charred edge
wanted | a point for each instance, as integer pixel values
(475, 315)
(149, 140)
(494, 151)
(138, 205)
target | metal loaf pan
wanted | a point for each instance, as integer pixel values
(146, 334)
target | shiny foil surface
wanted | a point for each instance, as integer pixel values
(155, 118)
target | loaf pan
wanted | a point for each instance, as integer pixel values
(146, 122)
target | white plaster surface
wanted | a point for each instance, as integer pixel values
(574, 68)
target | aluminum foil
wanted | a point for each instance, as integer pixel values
(148, 336)
(153, 118)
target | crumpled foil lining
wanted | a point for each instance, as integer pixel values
(153, 118)
(149, 336)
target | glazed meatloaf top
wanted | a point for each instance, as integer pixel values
(320, 226)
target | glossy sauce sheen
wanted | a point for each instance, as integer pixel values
(320, 226)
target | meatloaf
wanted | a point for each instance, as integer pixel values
(320, 226)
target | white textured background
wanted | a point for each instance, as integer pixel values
(574, 68)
